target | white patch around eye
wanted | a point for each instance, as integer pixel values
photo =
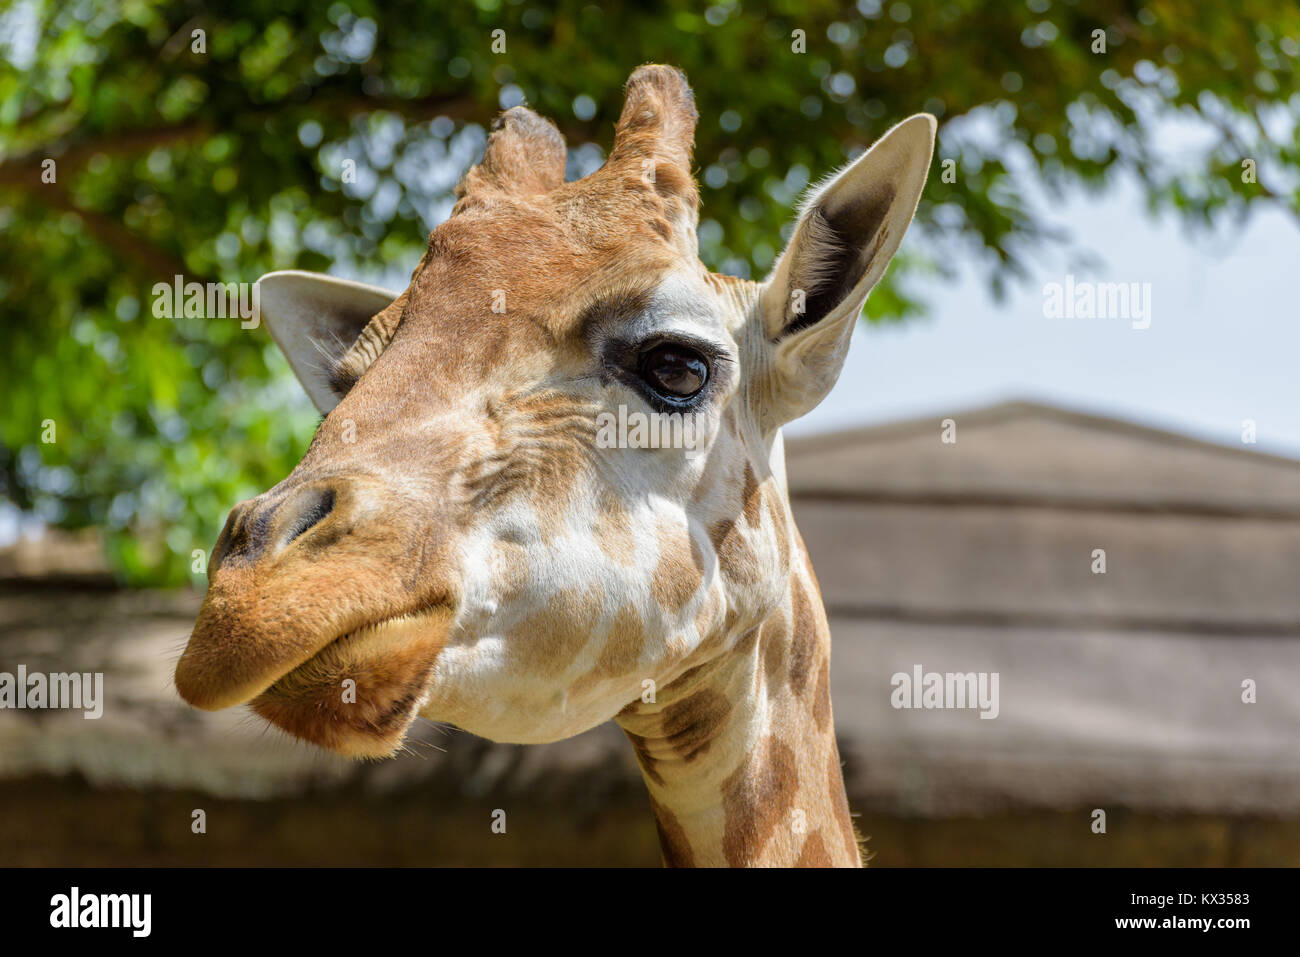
(684, 305)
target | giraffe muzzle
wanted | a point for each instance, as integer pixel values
(303, 618)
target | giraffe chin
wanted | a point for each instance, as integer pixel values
(389, 664)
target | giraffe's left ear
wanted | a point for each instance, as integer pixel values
(320, 323)
(848, 231)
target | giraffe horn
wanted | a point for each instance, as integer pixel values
(658, 118)
(525, 154)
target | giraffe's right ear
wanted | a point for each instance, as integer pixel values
(320, 323)
(848, 231)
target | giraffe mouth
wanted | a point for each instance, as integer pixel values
(359, 694)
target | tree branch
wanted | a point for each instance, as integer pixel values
(77, 152)
(149, 260)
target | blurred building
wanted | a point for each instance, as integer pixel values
(1125, 691)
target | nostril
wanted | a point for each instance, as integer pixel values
(311, 507)
(229, 540)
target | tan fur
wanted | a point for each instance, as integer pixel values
(455, 544)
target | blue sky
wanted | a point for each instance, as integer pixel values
(1223, 345)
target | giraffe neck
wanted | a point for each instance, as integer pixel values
(739, 753)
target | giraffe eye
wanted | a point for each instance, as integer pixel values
(674, 371)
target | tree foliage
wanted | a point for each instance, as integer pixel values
(209, 140)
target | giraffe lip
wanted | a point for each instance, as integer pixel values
(233, 657)
(334, 644)
(358, 694)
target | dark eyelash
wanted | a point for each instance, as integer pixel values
(662, 403)
(624, 357)
(627, 352)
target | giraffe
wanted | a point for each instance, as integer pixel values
(455, 544)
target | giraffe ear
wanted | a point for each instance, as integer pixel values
(316, 320)
(847, 232)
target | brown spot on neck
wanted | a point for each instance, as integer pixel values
(680, 570)
(757, 799)
(752, 497)
(822, 695)
(780, 528)
(775, 641)
(644, 758)
(804, 636)
(814, 853)
(737, 560)
(690, 726)
(672, 838)
(750, 721)
(547, 641)
(612, 530)
(621, 649)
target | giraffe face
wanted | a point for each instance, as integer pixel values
(584, 565)
(482, 530)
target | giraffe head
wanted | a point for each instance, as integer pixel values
(484, 530)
